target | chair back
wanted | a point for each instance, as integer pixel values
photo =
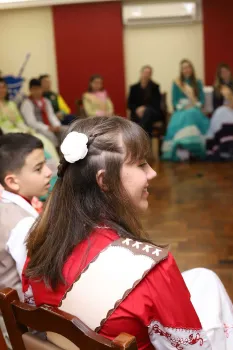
(19, 317)
(208, 106)
(80, 111)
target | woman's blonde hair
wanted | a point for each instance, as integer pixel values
(193, 79)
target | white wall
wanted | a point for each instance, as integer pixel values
(163, 47)
(23, 31)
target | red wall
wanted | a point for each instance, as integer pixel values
(89, 40)
(218, 29)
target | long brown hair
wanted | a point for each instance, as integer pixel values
(92, 78)
(218, 80)
(77, 204)
(193, 78)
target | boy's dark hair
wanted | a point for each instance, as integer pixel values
(34, 82)
(14, 148)
(43, 76)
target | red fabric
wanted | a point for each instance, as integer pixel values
(89, 40)
(43, 109)
(161, 296)
(26, 199)
(218, 27)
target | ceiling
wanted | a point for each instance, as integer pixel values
(10, 4)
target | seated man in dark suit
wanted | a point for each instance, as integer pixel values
(144, 101)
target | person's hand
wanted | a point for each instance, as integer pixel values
(59, 115)
(140, 111)
(54, 129)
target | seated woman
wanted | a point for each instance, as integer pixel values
(100, 266)
(11, 121)
(223, 78)
(219, 141)
(96, 101)
(188, 125)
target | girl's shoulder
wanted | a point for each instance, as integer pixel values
(177, 84)
(86, 251)
(177, 81)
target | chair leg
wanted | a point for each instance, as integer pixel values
(2, 342)
(155, 148)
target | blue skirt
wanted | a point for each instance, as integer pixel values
(186, 130)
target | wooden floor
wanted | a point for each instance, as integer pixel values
(191, 209)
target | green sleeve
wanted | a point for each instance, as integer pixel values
(18, 116)
(201, 92)
(175, 95)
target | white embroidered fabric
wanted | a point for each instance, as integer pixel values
(215, 312)
(166, 338)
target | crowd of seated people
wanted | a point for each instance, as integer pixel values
(190, 134)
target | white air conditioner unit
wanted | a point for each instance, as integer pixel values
(161, 13)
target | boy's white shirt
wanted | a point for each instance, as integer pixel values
(17, 236)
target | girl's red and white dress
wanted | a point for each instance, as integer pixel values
(119, 285)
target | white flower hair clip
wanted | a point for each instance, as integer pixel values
(74, 146)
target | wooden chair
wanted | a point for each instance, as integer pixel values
(19, 317)
(2, 342)
(159, 129)
(80, 111)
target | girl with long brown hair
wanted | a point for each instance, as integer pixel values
(219, 141)
(188, 125)
(223, 82)
(96, 100)
(88, 254)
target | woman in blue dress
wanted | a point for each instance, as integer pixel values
(185, 137)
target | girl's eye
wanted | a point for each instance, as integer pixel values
(142, 164)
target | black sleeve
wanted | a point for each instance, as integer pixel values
(132, 104)
(156, 98)
(217, 100)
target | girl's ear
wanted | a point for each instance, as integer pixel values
(100, 180)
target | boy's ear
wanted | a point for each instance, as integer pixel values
(11, 182)
(100, 180)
